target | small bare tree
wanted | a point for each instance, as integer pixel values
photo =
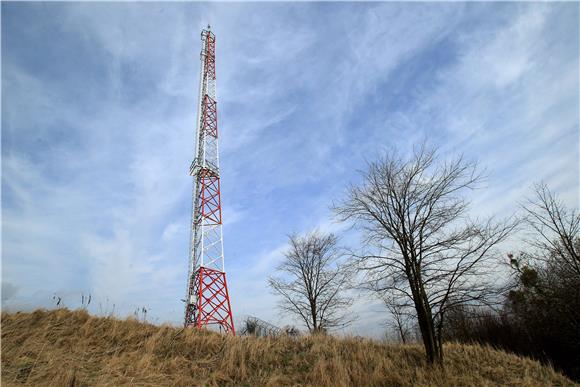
(556, 229)
(313, 281)
(424, 249)
(401, 317)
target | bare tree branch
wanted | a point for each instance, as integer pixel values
(556, 227)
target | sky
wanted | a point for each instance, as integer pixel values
(98, 132)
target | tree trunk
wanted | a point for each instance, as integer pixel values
(432, 345)
(427, 334)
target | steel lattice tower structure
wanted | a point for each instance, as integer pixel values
(207, 301)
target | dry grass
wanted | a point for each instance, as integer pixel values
(72, 348)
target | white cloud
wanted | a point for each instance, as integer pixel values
(499, 58)
(171, 231)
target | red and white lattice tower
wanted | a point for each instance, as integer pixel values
(207, 301)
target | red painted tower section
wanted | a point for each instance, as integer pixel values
(207, 301)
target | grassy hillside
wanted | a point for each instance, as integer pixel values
(72, 348)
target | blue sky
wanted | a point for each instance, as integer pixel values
(98, 113)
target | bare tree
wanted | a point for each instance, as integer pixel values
(313, 281)
(543, 305)
(556, 229)
(426, 250)
(401, 317)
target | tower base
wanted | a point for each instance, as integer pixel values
(210, 301)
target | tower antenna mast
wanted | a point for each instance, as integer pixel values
(208, 300)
